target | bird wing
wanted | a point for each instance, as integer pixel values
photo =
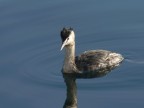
(97, 61)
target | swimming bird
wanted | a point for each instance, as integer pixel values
(89, 61)
(89, 64)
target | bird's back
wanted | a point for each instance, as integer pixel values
(97, 61)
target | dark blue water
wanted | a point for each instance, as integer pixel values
(30, 57)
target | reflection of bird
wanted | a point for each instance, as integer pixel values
(99, 61)
(90, 64)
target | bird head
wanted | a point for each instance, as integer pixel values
(68, 37)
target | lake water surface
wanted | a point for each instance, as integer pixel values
(30, 57)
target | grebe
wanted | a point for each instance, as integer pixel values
(90, 64)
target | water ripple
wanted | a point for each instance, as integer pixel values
(135, 61)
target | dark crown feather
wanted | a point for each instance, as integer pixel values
(65, 33)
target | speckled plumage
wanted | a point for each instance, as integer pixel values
(96, 63)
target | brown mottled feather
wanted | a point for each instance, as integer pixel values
(97, 61)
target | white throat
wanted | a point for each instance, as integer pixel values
(69, 61)
(69, 53)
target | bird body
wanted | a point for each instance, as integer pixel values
(97, 59)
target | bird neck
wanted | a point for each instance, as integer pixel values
(69, 54)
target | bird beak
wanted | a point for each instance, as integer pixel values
(62, 47)
(63, 44)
